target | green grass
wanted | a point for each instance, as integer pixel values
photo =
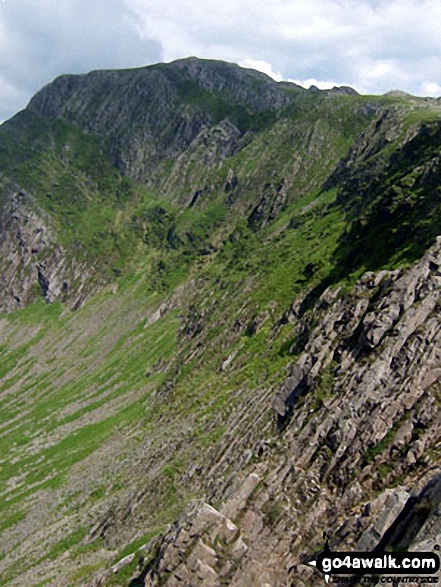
(61, 370)
(66, 543)
(137, 543)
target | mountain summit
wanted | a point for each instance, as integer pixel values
(220, 331)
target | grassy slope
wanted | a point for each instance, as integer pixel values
(99, 369)
(92, 399)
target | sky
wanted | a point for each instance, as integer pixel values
(372, 45)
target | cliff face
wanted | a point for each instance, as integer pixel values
(32, 262)
(253, 355)
(154, 114)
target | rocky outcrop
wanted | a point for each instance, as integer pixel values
(271, 202)
(203, 548)
(33, 263)
(386, 128)
(419, 517)
(356, 454)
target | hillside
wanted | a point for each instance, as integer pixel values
(220, 332)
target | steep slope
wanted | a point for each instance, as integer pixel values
(108, 154)
(228, 349)
(56, 174)
(360, 415)
(33, 263)
(153, 114)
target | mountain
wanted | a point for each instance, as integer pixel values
(219, 329)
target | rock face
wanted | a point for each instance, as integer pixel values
(357, 413)
(32, 262)
(163, 122)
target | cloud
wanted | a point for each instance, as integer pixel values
(262, 66)
(266, 67)
(42, 39)
(432, 89)
(371, 45)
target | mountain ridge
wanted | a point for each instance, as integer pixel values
(246, 350)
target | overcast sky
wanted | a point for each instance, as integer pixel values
(371, 45)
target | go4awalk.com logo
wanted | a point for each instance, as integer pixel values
(353, 567)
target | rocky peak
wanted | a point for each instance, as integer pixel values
(252, 88)
(154, 113)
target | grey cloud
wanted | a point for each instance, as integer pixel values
(43, 39)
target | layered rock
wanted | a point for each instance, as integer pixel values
(357, 450)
